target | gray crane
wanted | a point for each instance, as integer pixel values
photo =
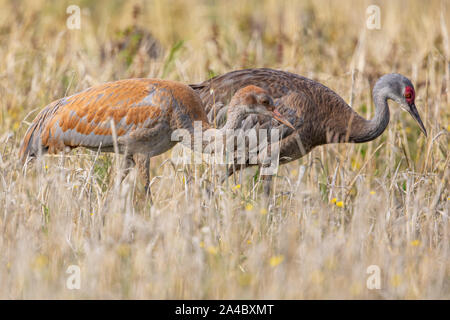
(319, 115)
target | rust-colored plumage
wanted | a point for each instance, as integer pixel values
(144, 113)
(136, 106)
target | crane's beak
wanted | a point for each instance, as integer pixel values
(415, 114)
(279, 117)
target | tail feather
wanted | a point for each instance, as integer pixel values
(30, 143)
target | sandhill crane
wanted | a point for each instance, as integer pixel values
(319, 115)
(145, 112)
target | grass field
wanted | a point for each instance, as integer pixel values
(334, 213)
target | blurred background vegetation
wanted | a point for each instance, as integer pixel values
(337, 211)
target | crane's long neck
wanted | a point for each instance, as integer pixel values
(368, 130)
(234, 121)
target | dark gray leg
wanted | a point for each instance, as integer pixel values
(143, 165)
(128, 166)
(267, 185)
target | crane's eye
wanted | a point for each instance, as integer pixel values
(408, 95)
(265, 101)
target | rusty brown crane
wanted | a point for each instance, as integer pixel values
(319, 115)
(144, 114)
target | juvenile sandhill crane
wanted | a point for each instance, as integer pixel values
(145, 113)
(319, 115)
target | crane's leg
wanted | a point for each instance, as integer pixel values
(142, 161)
(128, 166)
(267, 184)
(229, 171)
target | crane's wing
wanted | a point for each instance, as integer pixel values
(217, 92)
(84, 119)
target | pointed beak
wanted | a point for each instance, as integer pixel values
(280, 118)
(415, 114)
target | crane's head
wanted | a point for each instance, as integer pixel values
(401, 90)
(255, 100)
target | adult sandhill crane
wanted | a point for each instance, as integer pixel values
(319, 115)
(145, 113)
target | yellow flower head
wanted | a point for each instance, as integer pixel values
(372, 192)
(248, 207)
(123, 250)
(276, 260)
(238, 186)
(340, 204)
(415, 243)
(212, 250)
(263, 211)
(396, 280)
(333, 200)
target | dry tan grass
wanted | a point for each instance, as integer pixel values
(336, 212)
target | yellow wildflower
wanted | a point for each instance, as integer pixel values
(356, 164)
(245, 279)
(340, 204)
(263, 211)
(276, 260)
(123, 250)
(396, 280)
(372, 192)
(333, 200)
(238, 186)
(213, 250)
(415, 243)
(40, 262)
(248, 207)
